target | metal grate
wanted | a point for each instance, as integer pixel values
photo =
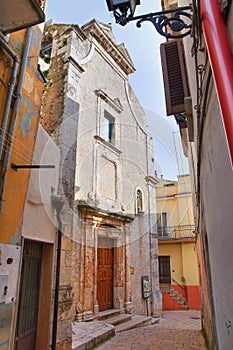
(29, 290)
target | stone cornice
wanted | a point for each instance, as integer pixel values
(75, 63)
(151, 180)
(124, 62)
(113, 103)
(108, 145)
(83, 207)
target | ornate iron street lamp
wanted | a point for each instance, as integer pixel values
(178, 20)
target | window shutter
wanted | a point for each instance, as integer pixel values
(174, 76)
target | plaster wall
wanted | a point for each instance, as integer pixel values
(130, 140)
(190, 266)
(183, 261)
(39, 209)
(176, 263)
(43, 183)
(175, 198)
(215, 205)
(16, 183)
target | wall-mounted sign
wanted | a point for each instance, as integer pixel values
(145, 287)
(131, 270)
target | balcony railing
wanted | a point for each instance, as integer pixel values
(176, 232)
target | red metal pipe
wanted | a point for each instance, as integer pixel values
(221, 59)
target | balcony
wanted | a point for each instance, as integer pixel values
(176, 232)
(20, 14)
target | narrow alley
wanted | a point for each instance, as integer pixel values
(176, 330)
(116, 186)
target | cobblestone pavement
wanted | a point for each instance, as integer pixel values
(177, 330)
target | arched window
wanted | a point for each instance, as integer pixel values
(139, 201)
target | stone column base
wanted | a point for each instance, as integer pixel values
(96, 309)
(86, 315)
(129, 308)
(157, 304)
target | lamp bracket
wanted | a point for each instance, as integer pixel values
(178, 20)
(30, 166)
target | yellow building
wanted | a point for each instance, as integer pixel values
(178, 268)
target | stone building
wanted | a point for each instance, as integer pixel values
(106, 175)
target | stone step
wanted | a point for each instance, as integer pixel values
(104, 315)
(86, 335)
(136, 321)
(178, 298)
(116, 320)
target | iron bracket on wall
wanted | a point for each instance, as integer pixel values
(173, 19)
(40, 166)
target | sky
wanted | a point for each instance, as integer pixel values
(147, 82)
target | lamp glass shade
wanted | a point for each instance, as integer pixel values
(133, 4)
(116, 4)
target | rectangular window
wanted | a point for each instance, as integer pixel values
(108, 128)
(162, 227)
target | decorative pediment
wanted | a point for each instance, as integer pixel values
(124, 51)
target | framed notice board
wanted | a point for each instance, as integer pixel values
(145, 287)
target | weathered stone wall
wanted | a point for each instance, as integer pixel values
(59, 117)
(53, 98)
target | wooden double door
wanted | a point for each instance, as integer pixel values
(105, 265)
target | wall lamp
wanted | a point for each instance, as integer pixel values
(174, 23)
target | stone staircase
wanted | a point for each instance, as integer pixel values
(123, 322)
(87, 335)
(177, 297)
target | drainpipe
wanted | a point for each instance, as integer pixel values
(150, 241)
(9, 94)
(18, 94)
(58, 204)
(221, 59)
